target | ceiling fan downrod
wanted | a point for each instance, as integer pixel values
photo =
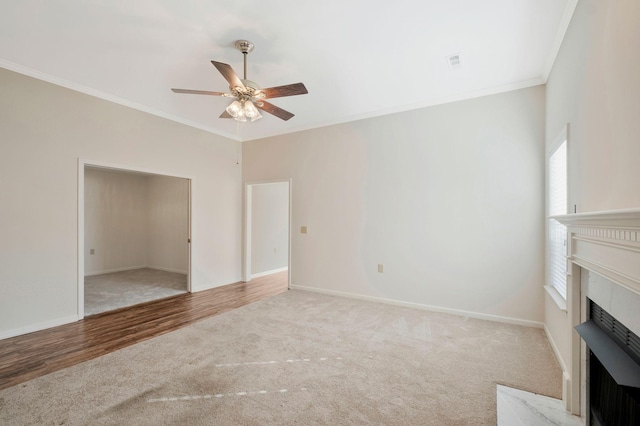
(245, 47)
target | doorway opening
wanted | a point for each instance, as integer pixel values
(267, 242)
(134, 237)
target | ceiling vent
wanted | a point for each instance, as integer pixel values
(454, 61)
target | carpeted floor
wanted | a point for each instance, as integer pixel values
(107, 292)
(299, 358)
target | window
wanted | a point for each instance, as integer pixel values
(557, 232)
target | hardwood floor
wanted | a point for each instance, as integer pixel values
(33, 355)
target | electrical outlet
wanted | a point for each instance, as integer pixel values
(380, 267)
(92, 251)
(303, 229)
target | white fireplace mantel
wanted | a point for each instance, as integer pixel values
(607, 243)
(627, 217)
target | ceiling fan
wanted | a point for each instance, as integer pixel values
(249, 97)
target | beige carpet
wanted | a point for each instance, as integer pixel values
(299, 358)
(106, 292)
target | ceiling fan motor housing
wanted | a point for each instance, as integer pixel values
(244, 46)
(249, 83)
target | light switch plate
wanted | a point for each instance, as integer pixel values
(303, 229)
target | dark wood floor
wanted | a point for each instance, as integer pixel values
(33, 355)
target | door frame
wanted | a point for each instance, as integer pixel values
(82, 163)
(247, 221)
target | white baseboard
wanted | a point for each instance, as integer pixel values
(566, 376)
(476, 315)
(566, 391)
(132, 268)
(273, 271)
(109, 271)
(556, 352)
(158, 268)
(37, 327)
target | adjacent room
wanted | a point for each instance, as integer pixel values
(136, 238)
(366, 213)
(267, 227)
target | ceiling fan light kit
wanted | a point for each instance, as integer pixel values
(241, 110)
(249, 98)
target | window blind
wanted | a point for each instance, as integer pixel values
(557, 238)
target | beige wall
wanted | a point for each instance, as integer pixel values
(168, 215)
(269, 227)
(115, 221)
(134, 220)
(44, 130)
(449, 199)
(595, 86)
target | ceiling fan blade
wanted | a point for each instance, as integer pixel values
(198, 92)
(225, 114)
(277, 111)
(229, 74)
(282, 91)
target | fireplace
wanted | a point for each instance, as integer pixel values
(603, 288)
(613, 375)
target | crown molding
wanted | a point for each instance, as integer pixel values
(567, 14)
(29, 72)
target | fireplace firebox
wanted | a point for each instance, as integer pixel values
(613, 380)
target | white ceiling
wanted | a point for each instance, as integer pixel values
(357, 58)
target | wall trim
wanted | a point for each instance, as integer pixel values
(133, 268)
(110, 98)
(567, 14)
(109, 271)
(493, 90)
(458, 312)
(555, 296)
(117, 167)
(159, 268)
(566, 377)
(555, 349)
(272, 271)
(38, 327)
